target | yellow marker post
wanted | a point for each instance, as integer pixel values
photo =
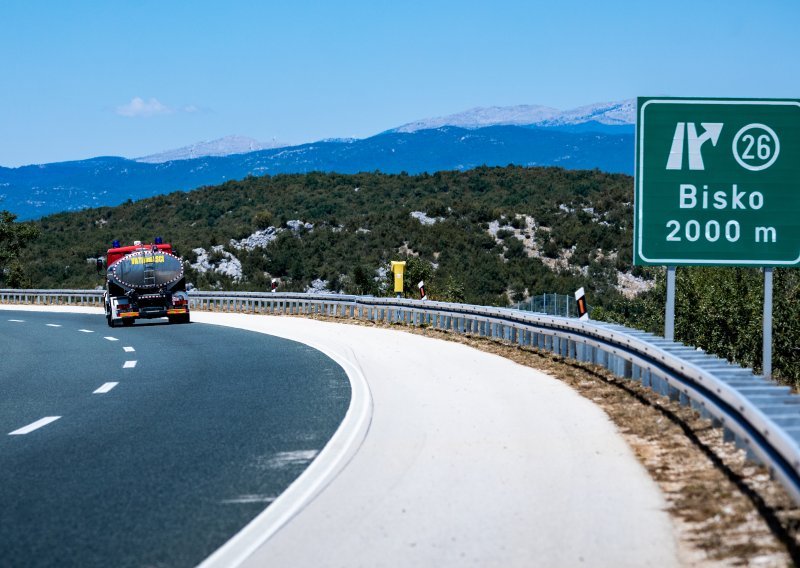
(398, 268)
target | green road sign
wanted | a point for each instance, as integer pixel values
(717, 182)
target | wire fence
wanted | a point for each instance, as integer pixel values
(550, 304)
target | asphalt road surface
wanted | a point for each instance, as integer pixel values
(469, 460)
(150, 445)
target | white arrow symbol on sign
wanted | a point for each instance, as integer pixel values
(712, 132)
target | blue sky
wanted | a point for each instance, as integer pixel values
(82, 79)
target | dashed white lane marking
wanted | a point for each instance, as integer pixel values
(129, 365)
(53, 324)
(105, 388)
(86, 330)
(249, 499)
(18, 321)
(129, 349)
(111, 338)
(35, 426)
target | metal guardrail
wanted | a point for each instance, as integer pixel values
(759, 415)
(52, 297)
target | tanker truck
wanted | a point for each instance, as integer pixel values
(144, 281)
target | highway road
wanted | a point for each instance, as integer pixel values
(469, 460)
(446, 456)
(150, 445)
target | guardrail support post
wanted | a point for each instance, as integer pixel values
(647, 379)
(580, 352)
(627, 372)
(728, 435)
(669, 315)
(767, 324)
(657, 384)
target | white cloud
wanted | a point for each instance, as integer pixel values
(138, 107)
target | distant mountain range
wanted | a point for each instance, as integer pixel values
(622, 114)
(219, 147)
(596, 136)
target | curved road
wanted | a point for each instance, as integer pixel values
(461, 458)
(470, 460)
(169, 439)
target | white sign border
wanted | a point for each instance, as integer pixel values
(640, 187)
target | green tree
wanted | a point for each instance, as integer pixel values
(262, 219)
(417, 270)
(786, 330)
(13, 238)
(451, 291)
(360, 282)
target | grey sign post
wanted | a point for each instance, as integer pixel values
(717, 185)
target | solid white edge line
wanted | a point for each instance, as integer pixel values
(105, 388)
(129, 349)
(34, 426)
(336, 454)
(341, 448)
(129, 365)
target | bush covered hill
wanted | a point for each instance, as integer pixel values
(498, 234)
(490, 235)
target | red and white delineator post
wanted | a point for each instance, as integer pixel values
(422, 294)
(583, 311)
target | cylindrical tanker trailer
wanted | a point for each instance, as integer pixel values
(145, 281)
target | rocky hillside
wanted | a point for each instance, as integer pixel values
(488, 235)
